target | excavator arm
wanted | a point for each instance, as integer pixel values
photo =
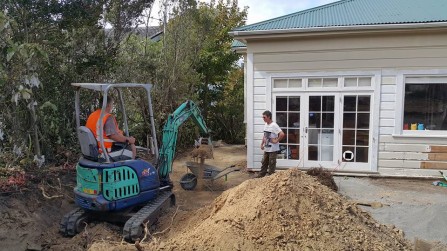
(170, 131)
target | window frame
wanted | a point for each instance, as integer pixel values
(400, 102)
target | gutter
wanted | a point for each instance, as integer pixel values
(340, 28)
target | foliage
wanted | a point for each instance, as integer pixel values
(46, 45)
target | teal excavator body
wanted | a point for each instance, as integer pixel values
(129, 191)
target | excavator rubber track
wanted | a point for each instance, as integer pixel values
(71, 223)
(134, 227)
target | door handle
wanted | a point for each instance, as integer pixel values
(305, 129)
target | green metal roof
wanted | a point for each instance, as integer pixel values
(238, 44)
(357, 13)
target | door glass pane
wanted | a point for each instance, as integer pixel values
(294, 120)
(313, 153)
(348, 120)
(363, 120)
(313, 135)
(294, 152)
(349, 103)
(361, 154)
(328, 120)
(364, 103)
(281, 119)
(362, 138)
(294, 104)
(348, 137)
(348, 153)
(314, 120)
(315, 103)
(326, 153)
(328, 104)
(294, 136)
(281, 104)
(282, 151)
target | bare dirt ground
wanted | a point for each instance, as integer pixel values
(285, 211)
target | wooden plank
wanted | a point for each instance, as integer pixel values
(387, 114)
(388, 89)
(403, 156)
(389, 81)
(399, 163)
(258, 136)
(439, 141)
(406, 148)
(416, 156)
(386, 130)
(404, 172)
(391, 155)
(438, 149)
(387, 122)
(259, 98)
(387, 106)
(257, 90)
(260, 105)
(388, 97)
(260, 82)
(434, 165)
(259, 128)
(437, 156)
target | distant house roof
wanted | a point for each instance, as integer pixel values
(152, 32)
(357, 13)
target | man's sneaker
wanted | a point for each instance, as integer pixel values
(260, 175)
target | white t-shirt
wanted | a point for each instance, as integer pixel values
(271, 131)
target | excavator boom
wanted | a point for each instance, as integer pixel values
(170, 130)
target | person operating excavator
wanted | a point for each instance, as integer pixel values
(112, 135)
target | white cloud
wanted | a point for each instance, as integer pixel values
(260, 10)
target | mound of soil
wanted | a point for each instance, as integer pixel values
(286, 211)
(324, 177)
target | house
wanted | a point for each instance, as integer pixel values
(357, 86)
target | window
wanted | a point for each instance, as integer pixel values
(287, 83)
(425, 104)
(288, 119)
(322, 82)
(357, 82)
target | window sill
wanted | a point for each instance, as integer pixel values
(421, 134)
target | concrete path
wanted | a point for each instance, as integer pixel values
(416, 206)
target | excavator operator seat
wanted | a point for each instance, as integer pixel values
(89, 146)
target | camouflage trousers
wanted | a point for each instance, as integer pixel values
(268, 161)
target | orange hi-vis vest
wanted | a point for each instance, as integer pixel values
(93, 124)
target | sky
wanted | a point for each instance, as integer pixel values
(261, 10)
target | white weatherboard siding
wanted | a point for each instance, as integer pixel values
(391, 54)
(259, 105)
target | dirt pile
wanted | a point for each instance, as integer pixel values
(324, 177)
(286, 211)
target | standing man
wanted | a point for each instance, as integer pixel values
(270, 144)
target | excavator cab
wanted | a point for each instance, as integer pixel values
(110, 186)
(86, 138)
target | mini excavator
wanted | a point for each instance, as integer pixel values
(127, 191)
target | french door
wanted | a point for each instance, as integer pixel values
(330, 130)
